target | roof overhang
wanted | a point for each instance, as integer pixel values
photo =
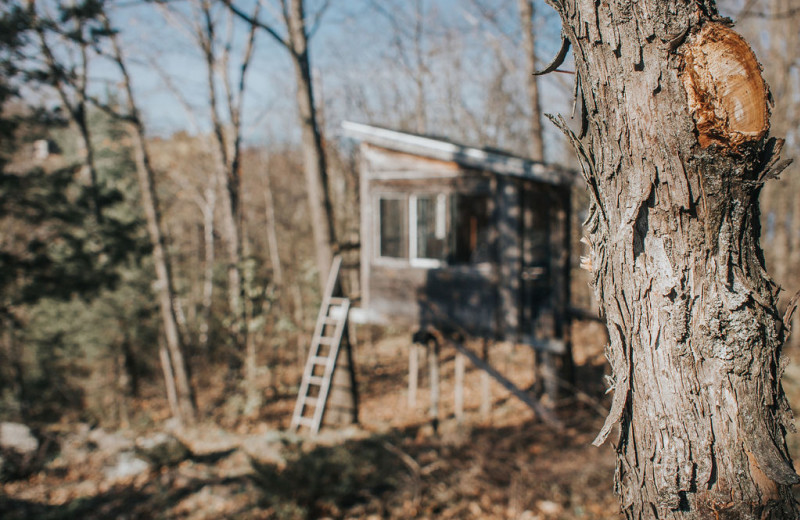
(467, 156)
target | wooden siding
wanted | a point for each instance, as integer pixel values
(519, 294)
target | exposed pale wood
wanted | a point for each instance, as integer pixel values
(727, 95)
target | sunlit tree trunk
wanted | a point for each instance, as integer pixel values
(675, 153)
(165, 286)
(209, 259)
(536, 143)
(314, 162)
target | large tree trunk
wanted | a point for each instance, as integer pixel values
(319, 200)
(675, 153)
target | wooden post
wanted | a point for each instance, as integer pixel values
(413, 374)
(433, 365)
(458, 396)
(486, 396)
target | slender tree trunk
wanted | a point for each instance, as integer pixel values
(228, 178)
(166, 291)
(272, 235)
(166, 288)
(536, 144)
(420, 112)
(675, 153)
(209, 259)
(319, 200)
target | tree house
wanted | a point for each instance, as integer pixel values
(462, 242)
(462, 239)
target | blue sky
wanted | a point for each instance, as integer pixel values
(356, 61)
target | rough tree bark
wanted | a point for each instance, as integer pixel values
(675, 149)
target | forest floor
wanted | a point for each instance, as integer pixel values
(393, 465)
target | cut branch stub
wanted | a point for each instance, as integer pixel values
(727, 95)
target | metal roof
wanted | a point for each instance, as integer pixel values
(435, 148)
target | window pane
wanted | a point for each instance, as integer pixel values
(431, 227)
(393, 218)
(470, 214)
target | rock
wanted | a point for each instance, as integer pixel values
(162, 449)
(332, 437)
(127, 465)
(548, 507)
(110, 443)
(19, 452)
(264, 451)
(17, 437)
(208, 440)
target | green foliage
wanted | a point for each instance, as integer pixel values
(14, 27)
(52, 246)
(75, 292)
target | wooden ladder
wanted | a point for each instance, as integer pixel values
(322, 355)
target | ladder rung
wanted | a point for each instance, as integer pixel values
(318, 360)
(331, 321)
(304, 421)
(315, 380)
(336, 301)
(326, 340)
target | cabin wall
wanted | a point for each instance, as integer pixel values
(498, 297)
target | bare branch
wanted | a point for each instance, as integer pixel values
(256, 22)
(170, 84)
(315, 23)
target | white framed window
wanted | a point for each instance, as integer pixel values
(432, 229)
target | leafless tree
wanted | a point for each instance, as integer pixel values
(291, 28)
(184, 394)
